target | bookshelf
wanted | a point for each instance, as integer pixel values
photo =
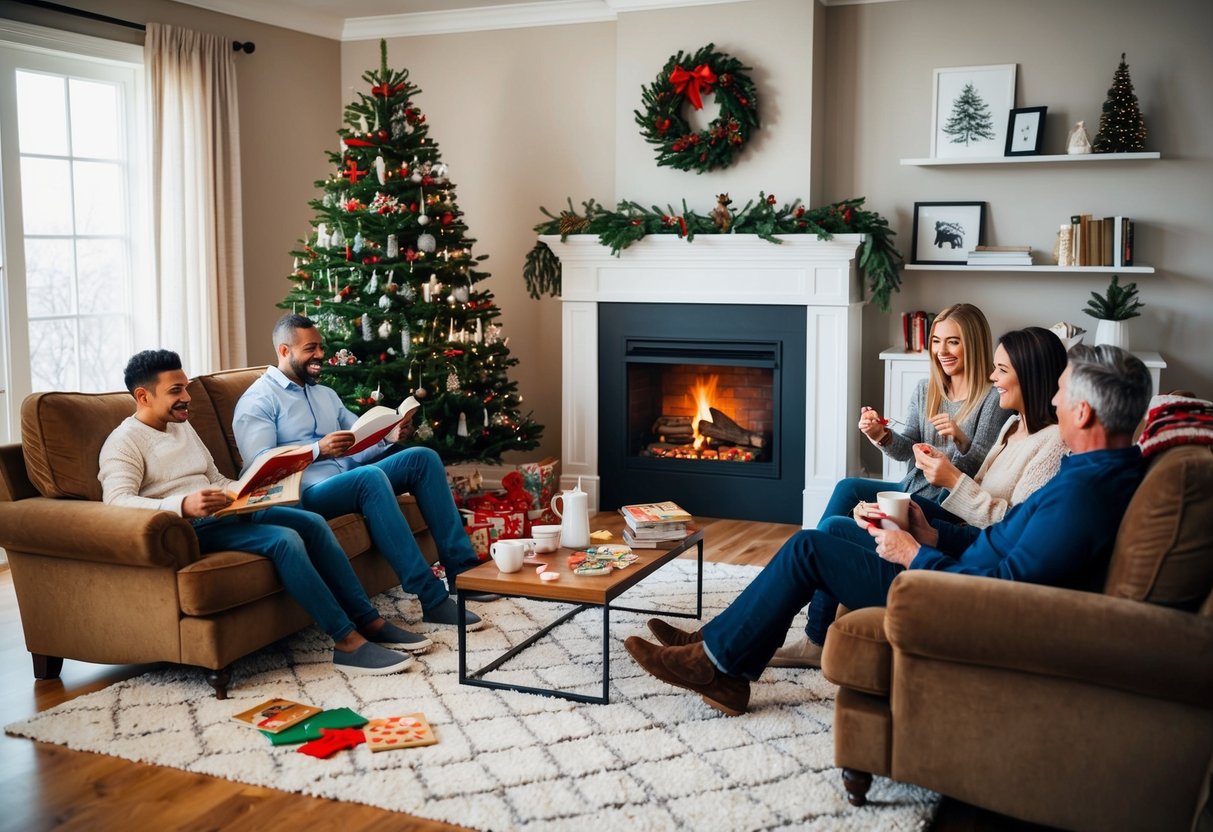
(1062, 158)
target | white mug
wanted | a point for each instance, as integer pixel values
(508, 554)
(895, 504)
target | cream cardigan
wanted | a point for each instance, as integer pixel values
(1009, 475)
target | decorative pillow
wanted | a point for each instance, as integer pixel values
(1164, 550)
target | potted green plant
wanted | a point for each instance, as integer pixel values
(1112, 309)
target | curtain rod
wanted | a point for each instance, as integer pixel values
(239, 46)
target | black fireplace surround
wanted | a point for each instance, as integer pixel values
(704, 335)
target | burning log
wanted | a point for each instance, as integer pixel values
(676, 430)
(723, 428)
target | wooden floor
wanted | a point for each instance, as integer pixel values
(46, 786)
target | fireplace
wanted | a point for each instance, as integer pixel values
(704, 407)
(782, 321)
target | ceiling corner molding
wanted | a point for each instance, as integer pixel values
(623, 6)
(515, 16)
(285, 15)
(854, 2)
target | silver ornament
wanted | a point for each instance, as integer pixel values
(424, 431)
(427, 243)
(385, 329)
(423, 219)
(366, 327)
(461, 294)
(385, 302)
(358, 242)
(393, 246)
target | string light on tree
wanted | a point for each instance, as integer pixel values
(1121, 127)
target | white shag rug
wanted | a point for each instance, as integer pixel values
(655, 758)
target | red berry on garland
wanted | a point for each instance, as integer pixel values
(333, 360)
(383, 356)
(846, 215)
(351, 360)
(800, 211)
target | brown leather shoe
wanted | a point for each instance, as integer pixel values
(671, 636)
(689, 667)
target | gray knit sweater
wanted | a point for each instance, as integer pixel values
(982, 426)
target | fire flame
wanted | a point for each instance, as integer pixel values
(705, 394)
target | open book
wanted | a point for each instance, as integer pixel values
(378, 422)
(284, 492)
(276, 715)
(270, 467)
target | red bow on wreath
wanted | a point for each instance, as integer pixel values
(385, 89)
(692, 84)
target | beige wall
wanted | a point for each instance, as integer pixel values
(880, 58)
(289, 110)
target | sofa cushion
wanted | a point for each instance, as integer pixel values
(857, 654)
(225, 389)
(225, 580)
(62, 435)
(1164, 550)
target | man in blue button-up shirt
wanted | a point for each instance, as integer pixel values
(1061, 536)
(287, 406)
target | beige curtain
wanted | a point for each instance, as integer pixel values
(196, 197)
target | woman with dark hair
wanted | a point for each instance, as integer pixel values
(1026, 455)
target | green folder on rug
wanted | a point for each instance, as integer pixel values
(309, 729)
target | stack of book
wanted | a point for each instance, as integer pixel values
(916, 329)
(649, 525)
(1098, 242)
(1001, 256)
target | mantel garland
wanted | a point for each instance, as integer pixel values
(879, 260)
(686, 79)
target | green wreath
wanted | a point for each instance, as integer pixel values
(686, 79)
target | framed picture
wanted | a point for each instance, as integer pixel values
(945, 232)
(1026, 131)
(969, 110)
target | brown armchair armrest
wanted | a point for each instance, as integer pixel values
(1096, 639)
(87, 530)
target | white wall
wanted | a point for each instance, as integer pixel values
(880, 59)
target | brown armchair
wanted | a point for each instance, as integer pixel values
(1073, 709)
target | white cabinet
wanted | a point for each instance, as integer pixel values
(903, 369)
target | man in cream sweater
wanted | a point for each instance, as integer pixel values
(156, 460)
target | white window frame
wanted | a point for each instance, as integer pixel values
(25, 46)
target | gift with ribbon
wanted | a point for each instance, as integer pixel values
(541, 479)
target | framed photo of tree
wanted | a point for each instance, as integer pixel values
(970, 109)
(945, 232)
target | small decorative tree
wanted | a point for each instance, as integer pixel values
(970, 119)
(1121, 128)
(1112, 309)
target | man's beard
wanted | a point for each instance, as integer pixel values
(299, 368)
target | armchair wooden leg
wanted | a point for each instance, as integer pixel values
(219, 679)
(46, 667)
(857, 784)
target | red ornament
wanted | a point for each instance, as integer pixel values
(771, 199)
(345, 291)
(383, 135)
(351, 360)
(351, 171)
(383, 356)
(333, 360)
(800, 211)
(846, 215)
(448, 218)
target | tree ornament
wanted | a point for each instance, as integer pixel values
(686, 79)
(380, 170)
(385, 329)
(372, 284)
(461, 294)
(1121, 127)
(376, 395)
(452, 382)
(385, 302)
(408, 292)
(393, 247)
(423, 219)
(366, 327)
(357, 242)
(424, 431)
(420, 393)
(405, 340)
(322, 236)
(426, 242)
(462, 428)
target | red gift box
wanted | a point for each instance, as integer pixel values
(480, 536)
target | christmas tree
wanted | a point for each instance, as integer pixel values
(387, 273)
(970, 118)
(1121, 128)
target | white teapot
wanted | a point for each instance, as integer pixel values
(574, 518)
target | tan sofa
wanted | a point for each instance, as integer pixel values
(1072, 709)
(116, 585)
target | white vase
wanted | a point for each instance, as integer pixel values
(1114, 333)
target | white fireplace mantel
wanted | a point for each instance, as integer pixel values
(742, 269)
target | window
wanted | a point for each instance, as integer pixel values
(71, 146)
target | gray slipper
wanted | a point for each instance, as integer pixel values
(389, 635)
(370, 660)
(447, 614)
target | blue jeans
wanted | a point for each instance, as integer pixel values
(743, 638)
(371, 489)
(309, 560)
(837, 521)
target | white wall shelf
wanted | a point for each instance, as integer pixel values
(961, 267)
(1022, 160)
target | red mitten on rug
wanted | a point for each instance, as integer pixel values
(331, 741)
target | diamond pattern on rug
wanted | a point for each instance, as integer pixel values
(655, 758)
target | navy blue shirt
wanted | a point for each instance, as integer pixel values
(1062, 535)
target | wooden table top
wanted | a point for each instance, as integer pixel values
(570, 587)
